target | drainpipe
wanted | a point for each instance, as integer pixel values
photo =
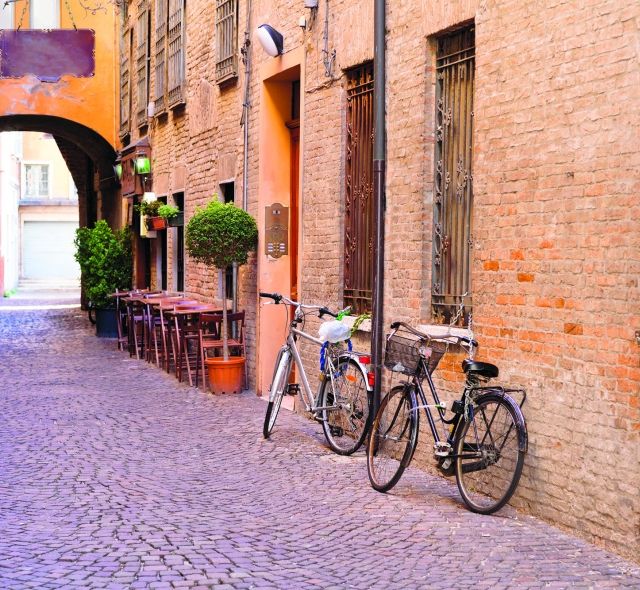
(244, 121)
(379, 170)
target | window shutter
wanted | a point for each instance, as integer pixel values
(359, 219)
(142, 63)
(125, 76)
(175, 58)
(227, 40)
(160, 60)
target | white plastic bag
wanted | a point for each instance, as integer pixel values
(334, 331)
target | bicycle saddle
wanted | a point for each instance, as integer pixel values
(483, 369)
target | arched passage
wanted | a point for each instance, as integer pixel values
(90, 160)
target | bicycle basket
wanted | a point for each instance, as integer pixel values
(403, 354)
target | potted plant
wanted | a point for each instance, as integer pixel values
(220, 235)
(106, 264)
(149, 209)
(173, 215)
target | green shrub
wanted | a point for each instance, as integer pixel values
(149, 208)
(105, 260)
(168, 211)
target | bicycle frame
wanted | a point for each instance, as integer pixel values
(308, 398)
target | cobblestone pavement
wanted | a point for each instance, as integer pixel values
(113, 475)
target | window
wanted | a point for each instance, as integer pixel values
(125, 74)
(36, 181)
(142, 63)
(453, 192)
(175, 54)
(227, 40)
(228, 191)
(359, 220)
(178, 248)
(160, 82)
(44, 14)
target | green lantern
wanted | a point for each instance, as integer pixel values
(143, 165)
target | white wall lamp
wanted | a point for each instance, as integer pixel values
(272, 41)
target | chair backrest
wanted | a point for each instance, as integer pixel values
(235, 324)
(209, 323)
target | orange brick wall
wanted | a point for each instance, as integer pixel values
(556, 246)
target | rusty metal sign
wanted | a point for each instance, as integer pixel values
(47, 54)
(276, 225)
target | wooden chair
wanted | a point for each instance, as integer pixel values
(210, 339)
(185, 340)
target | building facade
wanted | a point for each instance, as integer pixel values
(512, 193)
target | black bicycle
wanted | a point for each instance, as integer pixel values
(481, 437)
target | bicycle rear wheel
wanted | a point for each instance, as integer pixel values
(490, 451)
(347, 402)
(394, 435)
(278, 388)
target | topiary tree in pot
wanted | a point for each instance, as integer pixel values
(220, 235)
(106, 263)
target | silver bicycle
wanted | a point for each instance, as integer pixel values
(343, 401)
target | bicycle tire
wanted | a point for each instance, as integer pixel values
(394, 436)
(490, 450)
(278, 387)
(346, 428)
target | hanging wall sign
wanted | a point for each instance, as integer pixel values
(47, 54)
(276, 221)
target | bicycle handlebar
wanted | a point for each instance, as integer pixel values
(277, 298)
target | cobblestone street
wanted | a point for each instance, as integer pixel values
(113, 475)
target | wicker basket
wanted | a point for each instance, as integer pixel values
(403, 354)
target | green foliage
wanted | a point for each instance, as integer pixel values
(149, 208)
(221, 234)
(168, 211)
(105, 260)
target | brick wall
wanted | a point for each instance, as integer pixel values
(556, 247)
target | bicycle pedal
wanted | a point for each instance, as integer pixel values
(293, 389)
(336, 431)
(446, 466)
(442, 449)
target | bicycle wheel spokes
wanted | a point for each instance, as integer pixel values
(489, 459)
(394, 435)
(346, 400)
(278, 388)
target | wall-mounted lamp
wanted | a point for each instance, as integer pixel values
(118, 170)
(142, 165)
(272, 41)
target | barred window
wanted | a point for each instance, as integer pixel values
(160, 82)
(176, 54)
(142, 63)
(359, 213)
(227, 40)
(453, 194)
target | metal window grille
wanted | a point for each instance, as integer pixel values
(359, 214)
(453, 198)
(142, 63)
(227, 40)
(175, 55)
(125, 76)
(160, 80)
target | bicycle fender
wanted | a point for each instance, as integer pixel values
(355, 357)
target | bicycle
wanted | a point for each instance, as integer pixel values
(344, 397)
(484, 435)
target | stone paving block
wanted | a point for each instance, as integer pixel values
(115, 475)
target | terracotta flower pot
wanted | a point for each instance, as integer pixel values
(225, 376)
(156, 223)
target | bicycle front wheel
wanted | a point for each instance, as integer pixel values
(347, 403)
(394, 435)
(489, 450)
(278, 388)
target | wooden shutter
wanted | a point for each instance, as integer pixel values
(160, 80)
(175, 57)
(142, 63)
(359, 220)
(125, 76)
(227, 40)
(453, 198)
